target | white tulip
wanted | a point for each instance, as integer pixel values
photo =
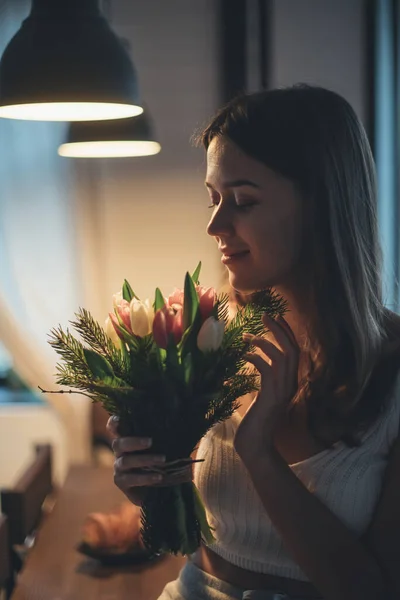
(117, 299)
(112, 334)
(210, 335)
(142, 315)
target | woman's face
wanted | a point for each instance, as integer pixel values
(256, 219)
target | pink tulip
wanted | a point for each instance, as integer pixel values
(116, 325)
(177, 328)
(167, 321)
(175, 300)
(207, 298)
(124, 312)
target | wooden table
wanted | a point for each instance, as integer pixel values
(54, 570)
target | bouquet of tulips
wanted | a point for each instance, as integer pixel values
(170, 371)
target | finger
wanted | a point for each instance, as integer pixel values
(287, 341)
(279, 362)
(127, 462)
(287, 328)
(121, 445)
(112, 425)
(260, 364)
(293, 357)
(126, 481)
(266, 346)
(281, 334)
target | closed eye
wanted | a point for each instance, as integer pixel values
(243, 207)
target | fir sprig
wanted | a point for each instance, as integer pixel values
(70, 349)
(94, 335)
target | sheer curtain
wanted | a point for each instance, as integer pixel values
(39, 265)
(385, 116)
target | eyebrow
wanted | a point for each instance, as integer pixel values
(236, 183)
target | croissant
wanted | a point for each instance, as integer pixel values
(116, 531)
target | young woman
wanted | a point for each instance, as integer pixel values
(302, 484)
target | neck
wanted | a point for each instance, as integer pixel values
(296, 315)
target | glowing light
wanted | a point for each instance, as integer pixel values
(70, 111)
(112, 149)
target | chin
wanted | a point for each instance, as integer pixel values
(248, 282)
(245, 284)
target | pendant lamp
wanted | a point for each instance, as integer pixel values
(66, 64)
(120, 138)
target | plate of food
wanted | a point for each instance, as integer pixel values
(114, 538)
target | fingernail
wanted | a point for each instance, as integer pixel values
(145, 442)
(160, 459)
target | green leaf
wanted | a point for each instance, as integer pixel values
(111, 382)
(127, 292)
(196, 274)
(180, 523)
(188, 368)
(125, 353)
(159, 300)
(189, 339)
(190, 302)
(98, 365)
(122, 331)
(172, 363)
(202, 517)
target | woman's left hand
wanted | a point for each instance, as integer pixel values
(279, 383)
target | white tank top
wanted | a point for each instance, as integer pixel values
(347, 480)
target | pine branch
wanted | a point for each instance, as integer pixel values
(70, 349)
(222, 307)
(63, 392)
(67, 375)
(95, 336)
(249, 317)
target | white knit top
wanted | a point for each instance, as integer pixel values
(347, 480)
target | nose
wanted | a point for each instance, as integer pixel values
(221, 222)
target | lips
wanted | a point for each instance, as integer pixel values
(230, 253)
(236, 254)
(230, 257)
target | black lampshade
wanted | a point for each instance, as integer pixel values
(66, 57)
(117, 138)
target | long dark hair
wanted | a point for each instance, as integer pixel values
(313, 137)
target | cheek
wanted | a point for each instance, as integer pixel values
(279, 236)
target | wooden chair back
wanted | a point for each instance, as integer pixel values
(6, 574)
(23, 503)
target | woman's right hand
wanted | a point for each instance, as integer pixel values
(129, 457)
